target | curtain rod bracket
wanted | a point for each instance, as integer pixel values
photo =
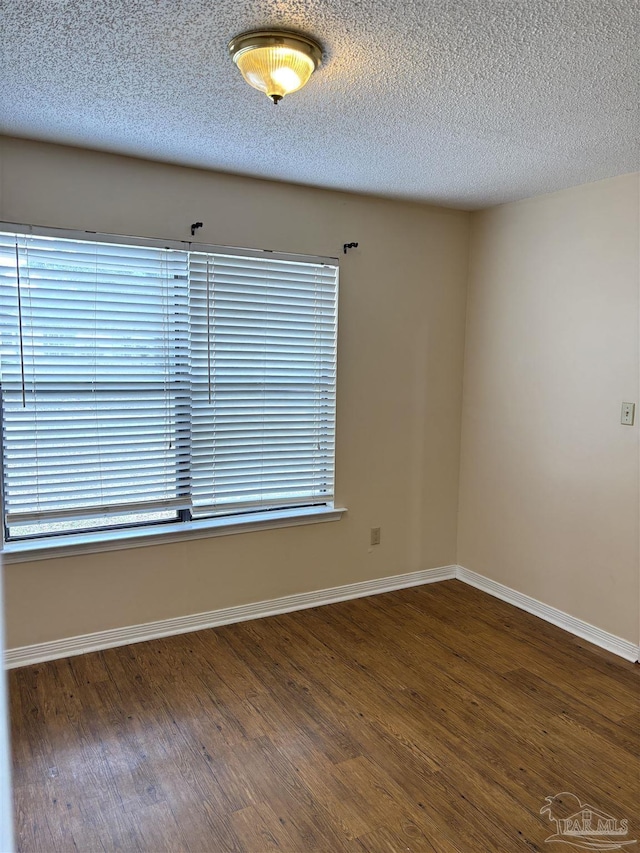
(194, 227)
(349, 246)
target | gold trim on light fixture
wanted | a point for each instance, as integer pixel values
(276, 62)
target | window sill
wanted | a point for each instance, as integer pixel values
(118, 540)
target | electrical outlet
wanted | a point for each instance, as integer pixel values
(375, 536)
(628, 414)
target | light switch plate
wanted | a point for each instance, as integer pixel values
(628, 414)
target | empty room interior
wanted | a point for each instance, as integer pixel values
(320, 473)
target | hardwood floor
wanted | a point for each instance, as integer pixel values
(432, 719)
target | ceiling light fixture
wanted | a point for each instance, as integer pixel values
(276, 62)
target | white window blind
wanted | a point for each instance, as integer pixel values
(94, 375)
(139, 379)
(263, 371)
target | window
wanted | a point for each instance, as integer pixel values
(145, 384)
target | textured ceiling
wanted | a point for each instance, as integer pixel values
(459, 102)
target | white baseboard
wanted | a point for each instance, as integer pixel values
(624, 648)
(40, 652)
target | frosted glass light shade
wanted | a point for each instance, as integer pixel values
(276, 63)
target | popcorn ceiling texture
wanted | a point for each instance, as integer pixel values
(466, 103)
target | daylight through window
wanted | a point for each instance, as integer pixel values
(144, 384)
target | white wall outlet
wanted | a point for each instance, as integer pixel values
(375, 536)
(628, 414)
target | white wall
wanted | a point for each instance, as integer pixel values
(400, 355)
(549, 501)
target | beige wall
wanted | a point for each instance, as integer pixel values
(548, 486)
(401, 328)
(549, 477)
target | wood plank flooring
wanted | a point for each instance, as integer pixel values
(432, 719)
